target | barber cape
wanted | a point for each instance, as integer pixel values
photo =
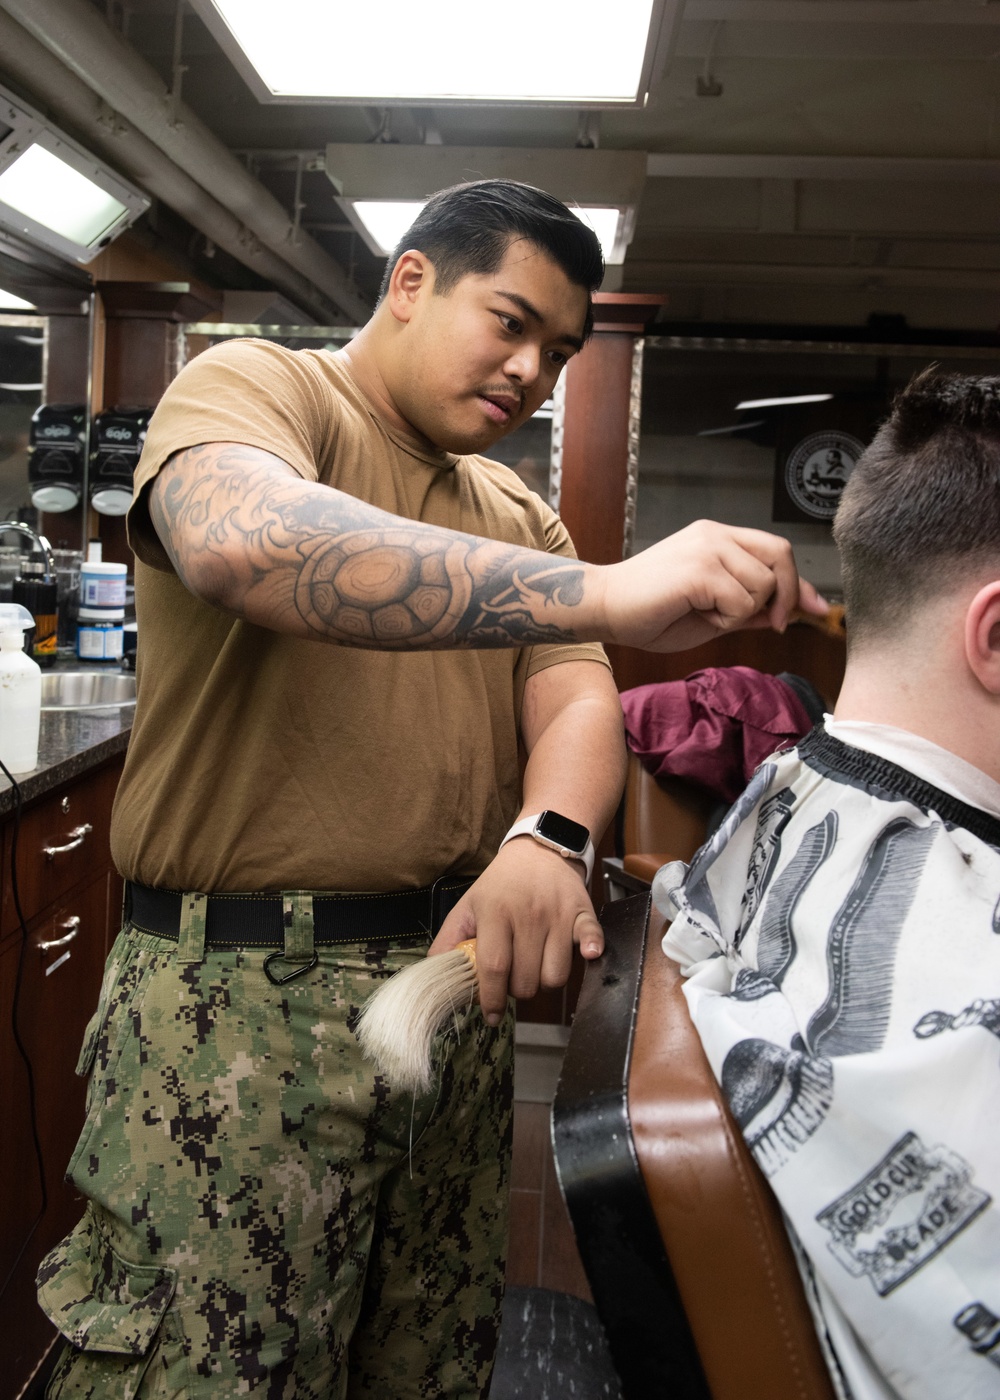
(840, 934)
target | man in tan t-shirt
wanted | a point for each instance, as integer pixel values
(349, 620)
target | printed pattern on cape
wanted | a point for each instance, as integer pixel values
(839, 938)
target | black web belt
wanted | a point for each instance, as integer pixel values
(258, 920)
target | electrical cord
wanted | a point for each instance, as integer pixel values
(32, 1107)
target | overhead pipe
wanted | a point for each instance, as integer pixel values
(115, 140)
(84, 43)
(109, 136)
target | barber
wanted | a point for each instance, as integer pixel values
(349, 619)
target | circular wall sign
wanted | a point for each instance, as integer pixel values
(816, 471)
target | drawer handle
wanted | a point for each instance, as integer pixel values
(79, 835)
(73, 924)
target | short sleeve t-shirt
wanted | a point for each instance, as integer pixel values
(262, 761)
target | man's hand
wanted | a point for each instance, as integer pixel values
(706, 579)
(526, 911)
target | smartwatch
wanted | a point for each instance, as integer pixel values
(559, 833)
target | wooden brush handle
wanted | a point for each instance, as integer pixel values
(832, 624)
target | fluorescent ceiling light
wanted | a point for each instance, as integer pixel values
(788, 398)
(23, 388)
(54, 192)
(383, 222)
(9, 302)
(732, 428)
(606, 223)
(47, 190)
(594, 54)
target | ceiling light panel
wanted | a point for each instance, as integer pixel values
(603, 187)
(57, 194)
(45, 188)
(383, 222)
(785, 399)
(593, 55)
(10, 302)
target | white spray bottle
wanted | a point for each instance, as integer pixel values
(20, 692)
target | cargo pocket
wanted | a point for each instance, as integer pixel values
(105, 1307)
(121, 956)
(108, 1032)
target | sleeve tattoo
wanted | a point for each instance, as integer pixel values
(267, 546)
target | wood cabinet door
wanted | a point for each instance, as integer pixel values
(60, 978)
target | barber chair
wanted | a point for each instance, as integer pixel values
(657, 815)
(691, 1270)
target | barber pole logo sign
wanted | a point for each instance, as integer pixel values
(817, 469)
(902, 1213)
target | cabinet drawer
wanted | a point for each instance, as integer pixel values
(60, 985)
(63, 840)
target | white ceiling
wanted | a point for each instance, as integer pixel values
(808, 161)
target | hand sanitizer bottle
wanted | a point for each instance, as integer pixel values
(20, 692)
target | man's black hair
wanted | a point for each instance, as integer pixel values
(467, 230)
(921, 510)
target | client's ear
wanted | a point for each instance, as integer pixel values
(982, 637)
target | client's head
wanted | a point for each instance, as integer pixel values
(920, 516)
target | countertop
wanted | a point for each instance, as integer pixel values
(70, 743)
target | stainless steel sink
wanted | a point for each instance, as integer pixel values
(87, 690)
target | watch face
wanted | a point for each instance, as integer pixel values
(563, 832)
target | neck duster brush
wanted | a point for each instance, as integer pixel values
(399, 1022)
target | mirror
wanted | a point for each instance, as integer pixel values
(45, 360)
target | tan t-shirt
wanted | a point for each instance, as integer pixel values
(260, 761)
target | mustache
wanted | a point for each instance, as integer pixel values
(503, 391)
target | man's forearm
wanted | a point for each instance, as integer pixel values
(574, 732)
(249, 536)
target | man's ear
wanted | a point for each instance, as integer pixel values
(982, 637)
(412, 276)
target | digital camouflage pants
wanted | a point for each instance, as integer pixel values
(265, 1215)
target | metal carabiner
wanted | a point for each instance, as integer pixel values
(297, 970)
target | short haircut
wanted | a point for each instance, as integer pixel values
(921, 510)
(467, 230)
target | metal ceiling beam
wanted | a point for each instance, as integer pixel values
(73, 103)
(666, 274)
(915, 169)
(892, 12)
(75, 33)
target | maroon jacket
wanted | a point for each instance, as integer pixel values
(715, 727)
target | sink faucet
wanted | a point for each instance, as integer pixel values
(38, 541)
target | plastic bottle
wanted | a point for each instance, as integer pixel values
(20, 692)
(40, 596)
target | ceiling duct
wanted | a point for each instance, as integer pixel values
(74, 32)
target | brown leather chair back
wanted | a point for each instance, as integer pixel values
(720, 1223)
(663, 815)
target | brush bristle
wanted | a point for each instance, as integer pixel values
(397, 1025)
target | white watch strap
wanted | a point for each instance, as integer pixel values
(526, 827)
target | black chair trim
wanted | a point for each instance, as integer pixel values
(634, 1289)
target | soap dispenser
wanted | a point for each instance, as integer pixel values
(20, 692)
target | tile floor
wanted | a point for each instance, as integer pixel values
(542, 1252)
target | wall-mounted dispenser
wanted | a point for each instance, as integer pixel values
(116, 440)
(55, 456)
